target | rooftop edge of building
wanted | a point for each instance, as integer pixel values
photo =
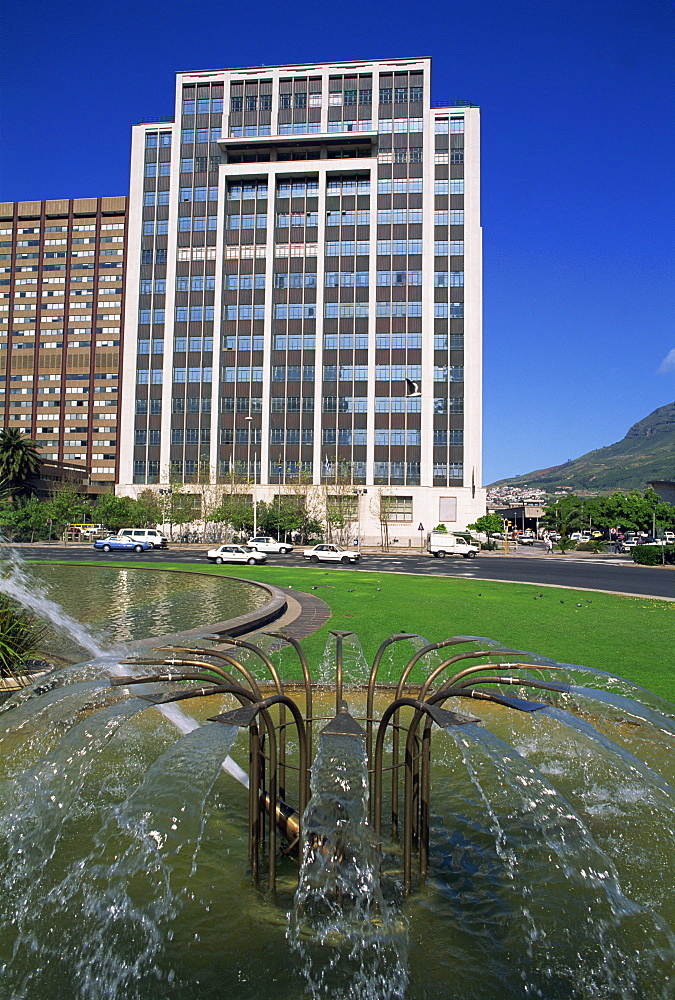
(316, 65)
(61, 206)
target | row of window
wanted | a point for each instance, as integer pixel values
(413, 154)
(203, 106)
(188, 135)
(454, 126)
(283, 310)
(256, 189)
(196, 194)
(331, 342)
(199, 163)
(243, 343)
(248, 222)
(200, 223)
(400, 125)
(153, 139)
(284, 220)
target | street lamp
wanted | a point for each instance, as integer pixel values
(249, 420)
(164, 493)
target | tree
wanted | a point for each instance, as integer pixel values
(148, 510)
(66, 506)
(116, 512)
(24, 517)
(565, 515)
(381, 508)
(488, 523)
(19, 460)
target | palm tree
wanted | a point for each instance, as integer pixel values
(19, 460)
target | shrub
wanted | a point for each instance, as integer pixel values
(566, 543)
(20, 635)
(653, 555)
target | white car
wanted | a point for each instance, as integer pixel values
(236, 554)
(265, 543)
(326, 552)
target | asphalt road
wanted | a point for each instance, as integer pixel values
(616, 574)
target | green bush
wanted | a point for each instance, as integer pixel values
(566, 543)
(20, 636)
(653, 555)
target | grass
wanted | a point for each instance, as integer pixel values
(630, 636)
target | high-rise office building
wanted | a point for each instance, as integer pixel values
(61, 290)
(304, 292)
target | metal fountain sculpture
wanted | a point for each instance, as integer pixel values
(410, 754)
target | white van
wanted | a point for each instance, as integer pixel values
(150, 535)
(444, 543)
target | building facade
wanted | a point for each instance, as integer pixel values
(62, 266)
(304, 292)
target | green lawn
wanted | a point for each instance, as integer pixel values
(629, 636)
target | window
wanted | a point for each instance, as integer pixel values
(385, 95)
(236, 103)
(398, 508)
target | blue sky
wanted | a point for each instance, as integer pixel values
(577, 146)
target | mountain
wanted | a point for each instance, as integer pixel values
(647, 452)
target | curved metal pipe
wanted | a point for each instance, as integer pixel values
(209, 666)
(453, 641)
(308, 685)
(397, 637)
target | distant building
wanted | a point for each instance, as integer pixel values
(665, 489)
(304, 297)
(61, 328)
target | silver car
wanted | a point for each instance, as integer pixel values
(236, 554)
(325, 552)
(265, 543)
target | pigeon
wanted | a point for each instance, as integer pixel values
(413, 388)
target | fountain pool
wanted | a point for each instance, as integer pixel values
(124, 848)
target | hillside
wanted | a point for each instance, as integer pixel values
(647, 452)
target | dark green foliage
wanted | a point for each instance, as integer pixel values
(20, 636)
(566, 544)
(19, 460)
(653, 555)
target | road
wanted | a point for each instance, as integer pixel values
(616, 574)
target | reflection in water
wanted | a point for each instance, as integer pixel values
(126, 604)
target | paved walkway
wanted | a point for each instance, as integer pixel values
(304, 615)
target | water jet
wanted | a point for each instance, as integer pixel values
(492, 822)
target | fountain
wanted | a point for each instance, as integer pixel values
(492, 822)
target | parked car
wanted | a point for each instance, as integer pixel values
(326, 552)
(121, 543)
(236, 554)
(526, 538)
(265, 543)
